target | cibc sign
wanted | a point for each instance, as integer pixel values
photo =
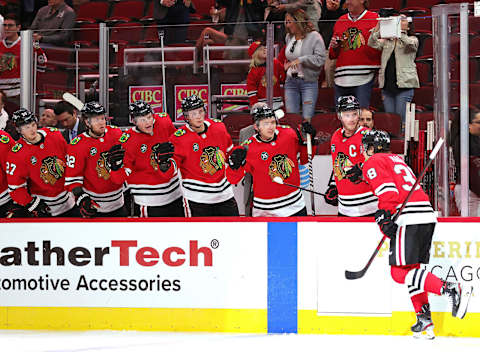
(183, 91)
(153, 95)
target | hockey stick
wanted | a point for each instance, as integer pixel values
(72, 99)
(352, 275)
(279, 180)
(310, 172)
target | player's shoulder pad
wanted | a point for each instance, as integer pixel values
(246, 142)
(284, 126)
(17, 147)
(180, 132)
(124, 137)
(4, 139)
(76, 140)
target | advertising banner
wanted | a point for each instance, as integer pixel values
(150, 94)
(183, 91)
(234, 89)
(134, 264)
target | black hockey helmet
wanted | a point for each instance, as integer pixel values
(93, 108)
(347, 103)
(379, 140)
(23, 117)
(262, 112)
(139, 108)
(192, 102)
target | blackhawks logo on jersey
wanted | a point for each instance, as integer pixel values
(354, 39)
(341, 165)
(8, 62)
(281, 166)
(153, 161)
(103, 170)
(212, 160)
(52, 169)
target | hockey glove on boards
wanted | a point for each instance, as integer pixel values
(115, 157)
(38, 208)
(354, 175)
(162, 154)
(237, 158)
(385, 222)
(88, 207)
(331, 195)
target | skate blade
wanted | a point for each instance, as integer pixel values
(427, 334)
(464, 300)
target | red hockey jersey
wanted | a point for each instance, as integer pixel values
(201, 160)
(277, 158)
(391, 180)
(257, 83)
(353, 199)
(87, 168)
(10, 66)
(356, 61)
(6, 143)
(148, 185)
(38, 170)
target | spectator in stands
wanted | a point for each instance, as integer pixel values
(247, 13)
(53, 23)
(47, 119)
(366, 118)
(356, 61)
(3, 113)
(398, 72)
(303, 57)
(173, 12)
(67, 117)
(257, 79)
(474, 162)
(313, 8)
(10, 60)
(331, 11)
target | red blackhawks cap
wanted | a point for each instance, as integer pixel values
(253, 47)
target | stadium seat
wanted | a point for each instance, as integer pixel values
(127, 33)
(235, 122)
(98, 11)
(325, 100)
(325, 125)
(87, 33)
(423, 118)
(126, 11)
(388, 122)
(423, 24)
(148, 18)
(59, 57)
(150, 35)
(424, 3)
(202, 8)
(424, 72)
(424, 96)
(397, 145)
(376, 100)
(292, 120)
(378, 4)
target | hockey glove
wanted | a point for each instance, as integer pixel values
(17, 211)
(354, 175)
(385, 222)
(115, 157)
(38, 208)
(162, 154)
(88, 207)
(303, 130)
(237, 158)
(331, 195)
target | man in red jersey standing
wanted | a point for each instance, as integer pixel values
(269, 154)
(35, 170)
(411, 234)
(153, 178)
(347, 188)
(6, 144)
(95, 172)
(201, 148)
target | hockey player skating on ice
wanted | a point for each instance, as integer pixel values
(347, 188)
(35, 170)
(201, 149)
(269, 154)
(153, 178)
(411, 235)
(95, 172)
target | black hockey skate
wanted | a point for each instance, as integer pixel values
(459, 296)
(424, 325)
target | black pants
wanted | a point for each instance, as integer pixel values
(5, 208)
(119, 213)
(173, 209)
(227, 208)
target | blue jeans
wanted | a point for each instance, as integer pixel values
(297, 90)
(397, 103)
(362, 93)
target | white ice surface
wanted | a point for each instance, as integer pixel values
(123, 341)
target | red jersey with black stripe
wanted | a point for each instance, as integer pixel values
(391, 180)
(353, 199)
(148, 185)
(6, 144)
